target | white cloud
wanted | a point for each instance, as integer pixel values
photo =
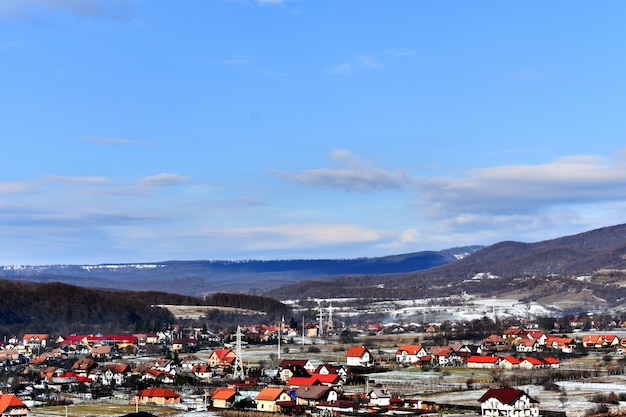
(16, 187)
(289, 236)
(163, 180)
(353, 174)
(522, 188)
(77, 179)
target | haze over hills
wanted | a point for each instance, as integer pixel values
(198, 278)
(583, 269)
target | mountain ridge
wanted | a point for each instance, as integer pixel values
(201, 277)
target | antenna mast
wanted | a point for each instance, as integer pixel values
(238, 371)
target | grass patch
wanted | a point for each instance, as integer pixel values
(101, 409)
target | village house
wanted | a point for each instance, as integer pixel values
(359, 356)
(508, 402)
(444, 356)
(329, 369)
(35, 340)
(269, 399)
(509, 362)
(564, 344)
(12, 406)
(599, 341)
(410, 354)
(483, 362)
(224, 397)
(221, 357)
(494, 343)
(115, 374)
(154, 395)
(295, 367)
(529, 362)
(379, 398)
(311, 395)
(203, 372)
(526, 345)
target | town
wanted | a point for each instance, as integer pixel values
(279, 369)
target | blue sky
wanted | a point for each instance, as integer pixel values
(152, 130)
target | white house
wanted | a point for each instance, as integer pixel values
(508, 402)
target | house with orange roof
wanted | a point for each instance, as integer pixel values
(494, 343)
(564, 344)
(526, 345)
(269, 399)
(155, 395)
(224, 397)
(12, 406)
(409, 354)
(34, 340)
(600, 340)
(359, 356)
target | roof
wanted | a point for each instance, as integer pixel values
(483, 359)
(356, 351)
(158, 392)
(224, 393)
(312, 392)
(532, 361)
(409, 349)
(511, 359)
(222, 353)
(269, 394)
(504, 395)
(10, 401)
(285, 363)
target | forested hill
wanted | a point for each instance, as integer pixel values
(64, 309)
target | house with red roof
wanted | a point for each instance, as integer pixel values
(552, 362)
(409, 354)
(12, 406)
(155, 395)
(509, 362)
(509, 402)
(359, 356)
(483, 362)
(529, 362)
(115, 373)
(222, 357)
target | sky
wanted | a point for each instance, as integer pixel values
(150, 130)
